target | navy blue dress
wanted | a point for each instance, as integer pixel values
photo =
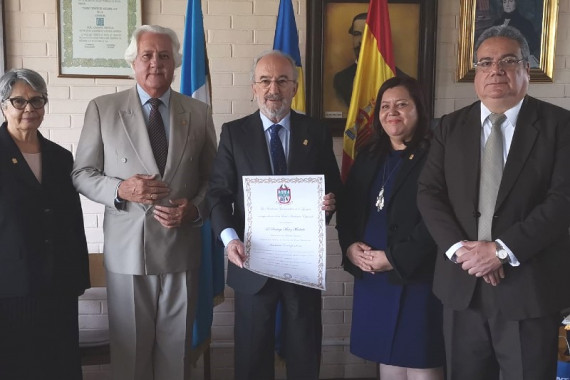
(393, 324)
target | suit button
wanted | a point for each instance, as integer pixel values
(47, 210)
(495, 216)
(394, 228)
(476, 214)
(124, 160)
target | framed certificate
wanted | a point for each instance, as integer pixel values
(93, 36)
(285, 229)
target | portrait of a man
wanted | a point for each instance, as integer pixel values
(344, 28)
(344, 78)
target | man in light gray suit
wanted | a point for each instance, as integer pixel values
(145, 153)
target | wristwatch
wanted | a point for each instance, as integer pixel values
(501, 253)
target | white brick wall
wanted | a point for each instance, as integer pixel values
(236, 31)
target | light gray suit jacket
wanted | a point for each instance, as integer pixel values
(114, 145)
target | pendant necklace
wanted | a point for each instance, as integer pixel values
(380, 198)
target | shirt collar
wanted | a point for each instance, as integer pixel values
(512, 114)
(144, 97)
(285, 122)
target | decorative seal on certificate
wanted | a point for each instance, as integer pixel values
(283, 194)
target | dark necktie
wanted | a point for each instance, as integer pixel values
(157, 135)
(277, 152)
(491, 174)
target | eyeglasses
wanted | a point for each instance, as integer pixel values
(19, 103)
(507, 64)
(281, 83)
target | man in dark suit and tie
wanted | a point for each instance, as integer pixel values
(495, 195)
(274, 140)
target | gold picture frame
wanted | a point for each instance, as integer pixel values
(476, 15)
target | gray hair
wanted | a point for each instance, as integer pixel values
(277, 53)
(30, 77)
(505, 32)
(132, 50)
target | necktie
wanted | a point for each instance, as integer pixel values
(157, 135)
(491, 174)
(276, 150)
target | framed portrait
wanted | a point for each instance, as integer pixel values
(334, 31)
(537, 20)
(93, 36)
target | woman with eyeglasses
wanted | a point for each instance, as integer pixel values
(43, 252)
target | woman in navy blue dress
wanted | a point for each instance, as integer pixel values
(396, 320)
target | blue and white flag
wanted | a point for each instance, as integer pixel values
(194, 79)
(287, 40)
(195, 83)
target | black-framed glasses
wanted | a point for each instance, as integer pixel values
(507, 64)
(20, 103)
(281, 83)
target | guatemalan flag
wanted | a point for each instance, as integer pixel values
(287, 41)
(375, 66)
(195, 83)
(195, 76)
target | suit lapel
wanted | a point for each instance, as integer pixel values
(135, 128)
(525, 135)
(16, 160)
(180, 119)
(409, 161)
(254, 135)
(469, 155)
(50, 165)
(300, 145)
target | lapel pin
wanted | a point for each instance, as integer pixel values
(14, 161)
(411, 157)
(184, 122)
(305, 142)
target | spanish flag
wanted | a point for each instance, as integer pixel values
(287, 41)
(375, 66)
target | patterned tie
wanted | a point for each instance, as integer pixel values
(277, 152)
(157, 135)
(491, 174)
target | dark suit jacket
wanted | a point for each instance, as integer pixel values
(532, 213)
(410, 248)
(243, 151)
(42, 240)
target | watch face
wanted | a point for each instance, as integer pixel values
(502, 254)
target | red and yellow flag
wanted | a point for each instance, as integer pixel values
(375, 65)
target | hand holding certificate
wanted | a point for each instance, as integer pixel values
(285, 229)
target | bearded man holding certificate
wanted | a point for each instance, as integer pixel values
(272, 141)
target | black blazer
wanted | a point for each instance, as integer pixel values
(532, 213)
(410, 248)
(243, 151)
(43, 248)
